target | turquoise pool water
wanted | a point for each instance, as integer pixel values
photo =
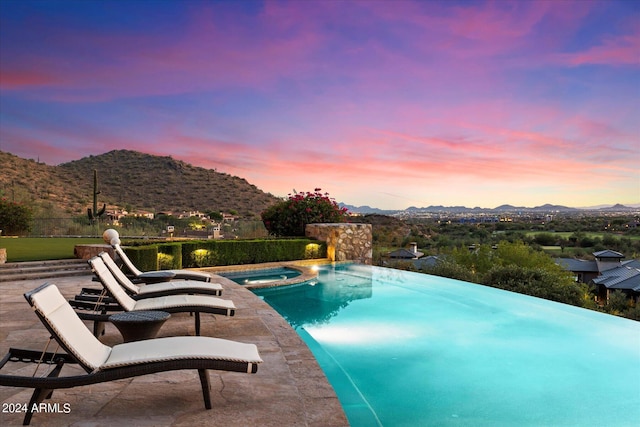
(265, 275)
(408, 349)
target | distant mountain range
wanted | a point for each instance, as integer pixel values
(547, 208)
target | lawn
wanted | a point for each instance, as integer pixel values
(42, 248)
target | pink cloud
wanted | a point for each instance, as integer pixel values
(18, 79)
(618, 50)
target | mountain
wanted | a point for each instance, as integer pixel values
(439, 209)
(366, 209)
(128, 179)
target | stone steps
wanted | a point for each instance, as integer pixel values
(12, 271)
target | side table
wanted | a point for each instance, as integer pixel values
(139, 325)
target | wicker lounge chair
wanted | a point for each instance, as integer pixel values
(159, 289)
(170, 303)
(111, 237)
(103, 363)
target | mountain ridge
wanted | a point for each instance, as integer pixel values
(129, 180)
(546, 208)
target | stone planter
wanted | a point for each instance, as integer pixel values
(89, 251)
(3, 255)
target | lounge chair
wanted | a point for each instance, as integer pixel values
(170, 303)
(159, 289)
(111, 237)
(103, 363)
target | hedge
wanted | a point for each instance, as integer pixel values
(169, 256)
(232, 252)
(143, 257)
(210, 253)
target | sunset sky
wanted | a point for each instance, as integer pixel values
(383, 103)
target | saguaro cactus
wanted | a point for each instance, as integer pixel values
(95, 213)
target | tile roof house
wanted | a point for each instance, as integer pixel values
(608, 272)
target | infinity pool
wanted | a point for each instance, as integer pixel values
(408, 349)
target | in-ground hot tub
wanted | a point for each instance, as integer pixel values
(261, 276)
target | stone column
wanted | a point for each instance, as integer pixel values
(345, 242)
(3, 255)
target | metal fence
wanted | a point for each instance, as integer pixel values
(58, 227)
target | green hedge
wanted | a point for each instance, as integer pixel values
(143, 257)
(210, 253)
(170, 256)
(232, 252)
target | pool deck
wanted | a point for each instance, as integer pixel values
(289, 388)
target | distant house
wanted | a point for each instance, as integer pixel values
(411, 253)
(426, 262)
(624, 278)
(584, 270)
(608, 272)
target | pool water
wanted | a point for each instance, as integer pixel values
(409, 349)
(266, 275)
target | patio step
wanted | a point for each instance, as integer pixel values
(30, 270)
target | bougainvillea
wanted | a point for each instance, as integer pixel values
(14, 218)
(289, 217)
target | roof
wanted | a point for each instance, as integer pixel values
(405, 253)
(426, 262)
(577, 265)
(633, 263)
(608, 254)
(623, 277)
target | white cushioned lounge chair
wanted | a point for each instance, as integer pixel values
(103, 363)
(159, 289)
(170, 303)
(112, 237)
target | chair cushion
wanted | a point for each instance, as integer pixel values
(176, 286)
(177, 348)
(69, 329)
(169, 301)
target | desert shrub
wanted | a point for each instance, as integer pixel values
(15, 218)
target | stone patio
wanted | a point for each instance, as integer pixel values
(289, 388)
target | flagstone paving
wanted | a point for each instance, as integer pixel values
(289, 388)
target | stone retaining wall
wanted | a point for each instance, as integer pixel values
(345, 242)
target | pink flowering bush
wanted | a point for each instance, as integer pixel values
(289, 217)
(15, 218)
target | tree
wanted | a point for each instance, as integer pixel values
(536, 282)
(617, 303)
(14, 217)
(290, 217)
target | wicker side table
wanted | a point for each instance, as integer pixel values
(139, 325)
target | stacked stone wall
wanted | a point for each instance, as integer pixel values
(345, 242)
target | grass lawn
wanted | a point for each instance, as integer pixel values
(42, 248)
(568, 251)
